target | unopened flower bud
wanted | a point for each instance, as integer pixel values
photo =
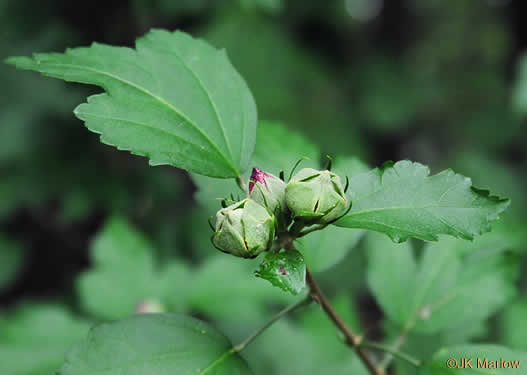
(244, 229)
(316, 196)
(269, 191)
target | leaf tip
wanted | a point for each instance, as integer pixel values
(20, 62)
(500, 202)
(11, 60)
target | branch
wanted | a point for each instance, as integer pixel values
(258, 332)
(352, 340)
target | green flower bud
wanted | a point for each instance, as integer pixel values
(316, 196)
(269, 191)
(244, 229)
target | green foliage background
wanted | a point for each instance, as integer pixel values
(87, 233)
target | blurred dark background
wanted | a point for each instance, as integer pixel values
(440, 82)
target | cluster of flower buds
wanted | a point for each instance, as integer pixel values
(248, 228)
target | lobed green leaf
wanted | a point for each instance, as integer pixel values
(123, 273)
(174, 99)
(446, 290)
(403, 201)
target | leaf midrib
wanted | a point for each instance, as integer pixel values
(419, 235)
(209, 99)
(218, 361)
(159, 99)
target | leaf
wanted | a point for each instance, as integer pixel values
(174, 99)
(124, 275)
(443, 291)
(36, 337)
(173, 286)
(486, 359)
(514, 325)
(154, 344)
(286, 270)
(403, 201)
(11, 260)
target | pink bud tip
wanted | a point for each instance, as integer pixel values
(257, 175)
